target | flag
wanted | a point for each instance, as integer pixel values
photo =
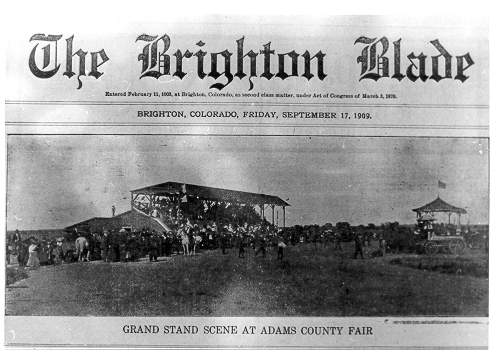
(441, 184)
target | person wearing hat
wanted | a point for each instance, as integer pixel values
(16, 240)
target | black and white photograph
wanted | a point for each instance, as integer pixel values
(248, 226)
(248, 181)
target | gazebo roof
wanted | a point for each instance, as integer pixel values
(438, 205)
(211, 193)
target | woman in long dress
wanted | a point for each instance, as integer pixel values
(185, 241)
(33, 256)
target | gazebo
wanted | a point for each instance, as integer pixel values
(440, 206)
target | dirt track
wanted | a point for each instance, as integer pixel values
(246, 297)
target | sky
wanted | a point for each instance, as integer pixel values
(57, 180)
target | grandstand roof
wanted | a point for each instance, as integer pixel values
(211, 193)
(438, 205)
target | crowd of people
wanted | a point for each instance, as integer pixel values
(34, 252)
(126, 245)
(192, 230)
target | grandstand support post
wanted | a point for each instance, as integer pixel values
(216, 214)
(283, 217)
(255, 208)
(178, 209)
(272, 213)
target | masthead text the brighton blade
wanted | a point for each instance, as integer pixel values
(156, 61)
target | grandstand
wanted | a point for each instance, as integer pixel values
(161, 207)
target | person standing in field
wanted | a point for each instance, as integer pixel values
(197, 242)
(369, 238)
(382, 244)
(358, 246)
(281, 248)
(57, 251)
(191, 232)
(112, 246)
(241, 246)
(223, 239)
(185, 240)
(337, 245)
(43, 253)
(104, 243)
(153, 247)
(33, 260)
(262, 247)
(209, 232)
(16, 241)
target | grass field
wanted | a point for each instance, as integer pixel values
(13, 275)
(310, 281)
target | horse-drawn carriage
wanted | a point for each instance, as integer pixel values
(440, 238)
(452, 244)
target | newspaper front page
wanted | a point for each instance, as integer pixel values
(248, 181)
